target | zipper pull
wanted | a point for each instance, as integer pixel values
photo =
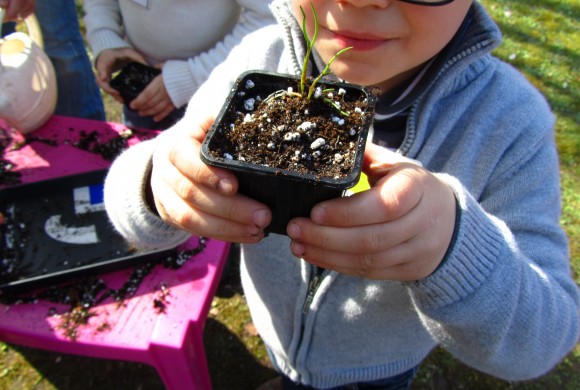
(312, 286)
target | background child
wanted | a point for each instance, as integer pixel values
(187, 39)
(465, 252)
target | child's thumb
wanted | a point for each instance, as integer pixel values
(378, 161)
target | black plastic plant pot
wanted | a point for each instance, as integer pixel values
(290, 158)
(133, 79)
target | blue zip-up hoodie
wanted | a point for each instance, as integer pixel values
(503, 301)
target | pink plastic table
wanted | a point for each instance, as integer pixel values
(171, 341)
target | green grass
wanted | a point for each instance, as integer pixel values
(542, 39)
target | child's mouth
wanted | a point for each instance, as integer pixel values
(358, 42)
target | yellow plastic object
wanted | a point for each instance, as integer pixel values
(362, 185)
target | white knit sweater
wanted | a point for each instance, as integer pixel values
(190, 36)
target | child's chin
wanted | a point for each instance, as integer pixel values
(357, 78)
(354, 73)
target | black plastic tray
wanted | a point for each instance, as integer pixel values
(57, 230)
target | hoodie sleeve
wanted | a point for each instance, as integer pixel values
(504, 300)
(124, 197)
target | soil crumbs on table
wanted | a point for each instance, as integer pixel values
(7, 176)
(82, 295)
(89, 141)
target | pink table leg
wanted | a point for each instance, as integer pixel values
(184, 368)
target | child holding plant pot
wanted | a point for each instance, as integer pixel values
(456, 244)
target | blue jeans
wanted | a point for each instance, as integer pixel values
(398, 382)
(8, 28)
(132, 119)
(78, 92)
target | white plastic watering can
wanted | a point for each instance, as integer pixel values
(28, 90)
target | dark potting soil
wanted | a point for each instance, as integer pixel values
(294, 133)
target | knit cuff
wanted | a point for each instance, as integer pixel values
(178, 82)
(126, 205)
(103, 40)
(471, 259)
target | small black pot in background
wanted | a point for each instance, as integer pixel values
(133, 79)
(287, 193)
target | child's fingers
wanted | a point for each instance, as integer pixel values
(401, 250)
(368, 239)
(236, 208)
(199, 198)
(179, 212)
(378, 161)
(396, 263)
(183, 153)
(183, 201)
(163, 113)
(394, 196)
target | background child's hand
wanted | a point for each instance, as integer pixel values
(154, 101)
(400, 229)
(200, 199)
(111, 60)
(17, 9)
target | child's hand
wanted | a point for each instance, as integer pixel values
(154, 100)
(111, 60)
(200, 199)
(17, 9)
(400, 229)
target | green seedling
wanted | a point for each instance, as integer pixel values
(310, 44)
(303, 77)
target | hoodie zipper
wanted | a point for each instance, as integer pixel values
(315, 281)
(313, 285)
